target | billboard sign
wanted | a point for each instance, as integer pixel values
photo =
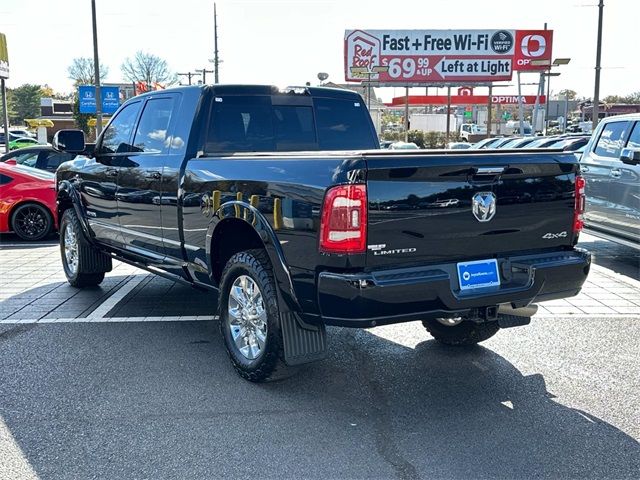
(4, 57)
(466, 100)
(110, 97)
(428, 56)
(533, 45)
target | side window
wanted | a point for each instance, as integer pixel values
(29, 159)
(240, 124)
(116, 137)
(51, 160)
(611, 139)
(152, 134)
(4, 179)
(634, 139)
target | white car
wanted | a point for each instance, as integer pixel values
(403, 146)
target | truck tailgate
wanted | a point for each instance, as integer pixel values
(421, 206)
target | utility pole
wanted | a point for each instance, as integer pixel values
(189, 75)
(596, 94)
(216, 61)
(5, 115)
(204, 72)
(96, 71)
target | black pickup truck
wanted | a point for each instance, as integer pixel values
(280, 202)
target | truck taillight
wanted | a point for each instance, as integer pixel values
(343, 228)
(578, 222)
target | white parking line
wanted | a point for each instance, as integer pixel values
(118, 295)
(187, 318)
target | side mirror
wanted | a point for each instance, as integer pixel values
(69, 141)
(630, 156)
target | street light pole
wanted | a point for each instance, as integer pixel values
(96, 71)
(596, 93)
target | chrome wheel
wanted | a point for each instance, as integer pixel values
(31, 222)
(247, 317)
(71, 249)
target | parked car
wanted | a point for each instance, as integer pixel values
(519, 142)
(611, 166)
(27, 202)
(42, 157)
(544, 142)
(293, 240)
(570, 144)
(22, 132)
(403, 146)
(458, 145)
(386, 143)
(501, 142)
(485, 143)
(12, 137)
(22, 142)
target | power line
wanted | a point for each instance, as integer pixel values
(189, 75)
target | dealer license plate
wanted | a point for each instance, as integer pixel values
(478, 274)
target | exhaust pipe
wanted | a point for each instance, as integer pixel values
(515, 317)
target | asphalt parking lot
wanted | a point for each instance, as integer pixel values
(130, 380)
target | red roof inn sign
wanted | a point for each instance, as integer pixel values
(443, 56)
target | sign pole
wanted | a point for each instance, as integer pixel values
(448, 113)
(489, 110)
(536, 106)
(596, 94)
(5, 115)
(96, 71)
(520, 106)
(406, 114)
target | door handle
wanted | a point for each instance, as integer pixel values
(112, 172)
(616, 173)
(154, 175)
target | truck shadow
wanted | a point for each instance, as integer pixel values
(438, 412)
(161, 400)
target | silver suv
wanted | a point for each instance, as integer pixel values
(611, 165)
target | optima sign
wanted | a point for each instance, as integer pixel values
(436, 56)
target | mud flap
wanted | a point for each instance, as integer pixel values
(302, 345)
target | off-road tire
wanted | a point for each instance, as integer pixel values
(92, 264)
(254, 263)
(463, 334)
(40, 213)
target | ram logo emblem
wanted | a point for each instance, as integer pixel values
(483, 206)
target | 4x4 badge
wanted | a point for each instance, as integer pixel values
(483, 206)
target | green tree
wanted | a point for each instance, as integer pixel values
(24, 102)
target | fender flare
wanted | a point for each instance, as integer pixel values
(251, 216)
(68, 193)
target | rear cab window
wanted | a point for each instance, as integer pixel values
(280, 123)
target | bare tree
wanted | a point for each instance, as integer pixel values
(81, 71)
(148, 68)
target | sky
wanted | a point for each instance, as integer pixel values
(287, 42)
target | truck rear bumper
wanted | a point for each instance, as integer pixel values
(400, 295)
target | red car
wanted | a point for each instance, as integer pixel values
(27, 202)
